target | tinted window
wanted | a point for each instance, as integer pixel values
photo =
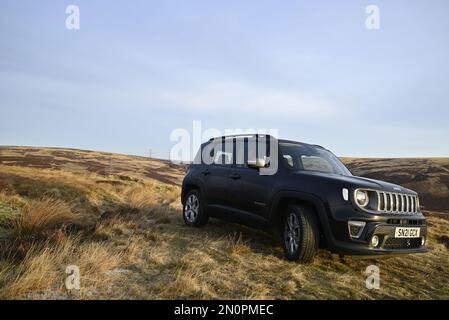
(223, 158)
(223, 153)
(247, 149)
(311, 158)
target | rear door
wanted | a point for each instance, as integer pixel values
(216, 177)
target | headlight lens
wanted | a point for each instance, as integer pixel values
(362, 198)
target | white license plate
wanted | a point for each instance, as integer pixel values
(406, 232)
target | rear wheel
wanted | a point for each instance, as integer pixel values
(193, 213)
(300, 234)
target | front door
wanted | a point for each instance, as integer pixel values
(257, 190)
(250, 191)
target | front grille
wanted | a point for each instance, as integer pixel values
(406, 221)
(389, 202)
(402, 243)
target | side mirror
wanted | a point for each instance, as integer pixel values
(258, 163)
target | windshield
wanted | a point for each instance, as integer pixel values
(310, 158)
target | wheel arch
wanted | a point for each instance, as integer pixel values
(193, 183)
(189, 186)
(285, 198)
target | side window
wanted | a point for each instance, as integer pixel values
(221, 153)
(258, 149)
(241, 146)
(246, 150)
(223, 158)
(238, 151)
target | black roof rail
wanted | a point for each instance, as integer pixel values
(309, 144)
(242, 135)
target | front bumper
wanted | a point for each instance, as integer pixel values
(382, 226)
(388, 244)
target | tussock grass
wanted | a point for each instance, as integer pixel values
(142, 197)
(37, 221)
(39, 216)
(236, 244)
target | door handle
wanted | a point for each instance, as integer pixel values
(235, 176)
(205, 172)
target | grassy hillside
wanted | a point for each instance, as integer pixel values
(119, 219)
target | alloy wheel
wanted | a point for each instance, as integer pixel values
(191, 208)
(292, 233)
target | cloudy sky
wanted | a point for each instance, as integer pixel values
(137, 70)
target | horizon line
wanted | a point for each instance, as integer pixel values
(181, 161)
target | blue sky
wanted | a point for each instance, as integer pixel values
(136, 70)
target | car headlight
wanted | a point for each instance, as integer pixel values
(362, 198)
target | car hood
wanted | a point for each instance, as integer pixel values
(360, 182)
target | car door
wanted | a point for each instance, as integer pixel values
(216, 177)
(257, 190)
(250, 191)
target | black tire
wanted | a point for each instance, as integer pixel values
(192, 211)
(306, 240)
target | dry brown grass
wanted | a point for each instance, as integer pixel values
(37, 221)
(238, 246)
(43, 215)
(130, 242)
(41, 274)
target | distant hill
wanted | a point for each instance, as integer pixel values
(428, 176)
(104, 163)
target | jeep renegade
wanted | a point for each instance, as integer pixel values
(311, 201)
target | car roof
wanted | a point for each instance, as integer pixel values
(279, 141)
(300, 143)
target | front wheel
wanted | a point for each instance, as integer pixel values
(300, 234)
(192, 212)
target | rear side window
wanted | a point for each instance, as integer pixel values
(223, 158)
(232, 152)
(215, 154)
(223, 153)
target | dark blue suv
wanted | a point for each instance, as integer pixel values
(302, 193)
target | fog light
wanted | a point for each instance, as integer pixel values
(423, 241)
(375, 241)
(356, 228)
